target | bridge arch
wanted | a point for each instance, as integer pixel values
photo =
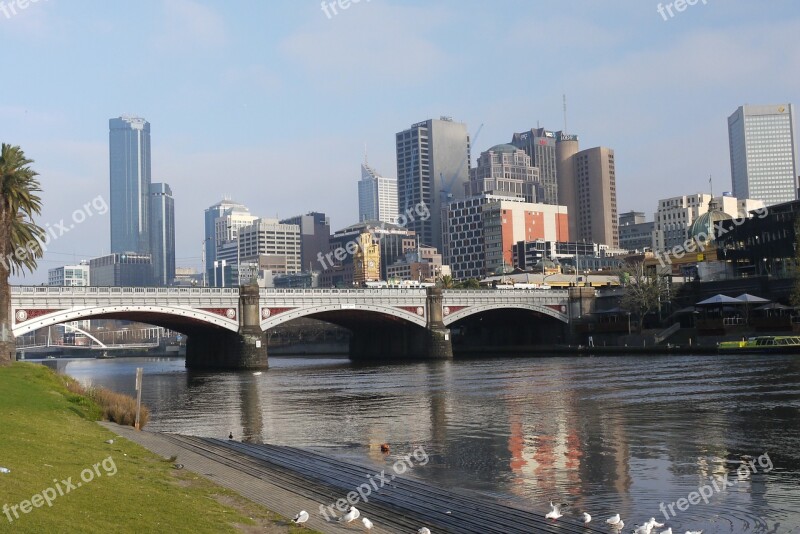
(328, 312)
(481, 308)
(179, 319)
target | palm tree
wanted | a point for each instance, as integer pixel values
(20, 238)
(446, 281)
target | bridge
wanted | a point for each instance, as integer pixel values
(225, 326)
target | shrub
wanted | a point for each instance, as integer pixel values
(114, 407)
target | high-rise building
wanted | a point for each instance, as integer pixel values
(540, 145)
(566, 148)
(279, 243)
(505, 170)
(675, 216)
(596, 189)
(162, 233)
(635, 234)
(433, 160)
(210, 241)
(377, 196)
(763, 153)
(128, 270)
(69, 275)
(315, 235)
(129, 158)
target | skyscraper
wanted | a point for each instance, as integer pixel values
(210, 240)
(129, 157)
(433, 160)
(377, 196)
(763, 153)
(596, 188)
(540, 145)
(315, 235)
(566, 147)
(505, 169)
(162, 233)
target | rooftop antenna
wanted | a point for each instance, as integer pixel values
(564, 97)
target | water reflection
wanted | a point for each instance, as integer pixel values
(604, 434)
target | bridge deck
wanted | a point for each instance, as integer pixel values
(287, 479)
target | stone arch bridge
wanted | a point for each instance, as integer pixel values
(226, 326)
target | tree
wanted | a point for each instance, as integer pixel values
(20, 237)
(794, 299)
(642, 292)
(470, 283)
(446, 281)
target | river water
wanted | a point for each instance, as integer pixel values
(606, 435)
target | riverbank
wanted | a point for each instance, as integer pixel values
(64, 476)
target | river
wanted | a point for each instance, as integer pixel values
(605, 435)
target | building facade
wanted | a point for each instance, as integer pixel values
(433, 161)
(674, 216)
(505, 170)
(540, 145)
(635, 234)
(69, 275)
(422, 265)
(129, 270)
(315, 235)
(596, 190)
(567, 146)
(162, 234)
(366, 260)
(763, 153)
(377, 196)
(267, 240)
(210, 241)
(129, 163)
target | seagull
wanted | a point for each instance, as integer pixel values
(655, 523)
(694, 532)
(367, 523)
(586, 517)
(301, 518)
(424, 530)
(257, 373)
(110, 441)
(614, 520)
(351, 515)
(668, 531)
(555, 511)
(643, 529)
(178, 466)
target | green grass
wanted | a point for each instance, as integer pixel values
(47, 433)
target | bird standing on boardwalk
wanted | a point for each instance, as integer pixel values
(301, 518)
(586, 518)
(351, 515)
(424, 530)
(367, 523)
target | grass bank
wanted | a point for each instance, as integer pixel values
(64, 477)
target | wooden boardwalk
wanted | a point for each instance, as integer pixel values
(288, 479)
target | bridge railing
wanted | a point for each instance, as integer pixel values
(508, 292)
(351, 292)
(103, 291)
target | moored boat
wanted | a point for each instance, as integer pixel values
(761, 345)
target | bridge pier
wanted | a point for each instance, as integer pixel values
(403, 340)
(245, 349)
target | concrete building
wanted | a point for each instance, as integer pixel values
(210, 241)
(162, 233)
(271, 242)
(315, 235)
(635, 234)
(567, 146)
(422, 265)
(129, 269)
(69, 275)
(763, 153)
(674, 216)
(505, 170)
(129, 163)
(540, 145)
(528, 255)
(596, 190)
(377, 196)
(433, 161)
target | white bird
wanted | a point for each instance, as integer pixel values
(301, 518)
(619, 526)
(694, 532)
(655, 523)
(643, 529)
(555, 511)
(613, 520)
(586, 517)
(668, 531)
(110, 441)
(257, 373)
(351, 515)
(367, 523)
(424, 530)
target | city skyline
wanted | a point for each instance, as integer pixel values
(622, 68)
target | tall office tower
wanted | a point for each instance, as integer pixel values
(377, 197)
(433, 160)
(596, 187)
(540, 145)
(271, 245)
(505, 170)
(763, 153)
(162, 233)
(566, 148)
(315, 235)
(635, 233)
(210, 237)
(129, 157)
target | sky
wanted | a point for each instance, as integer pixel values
(272, 103)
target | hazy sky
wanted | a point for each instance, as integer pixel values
(271, 102)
